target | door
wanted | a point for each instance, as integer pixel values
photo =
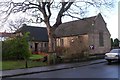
(36, 47)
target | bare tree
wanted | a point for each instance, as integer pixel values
(16, 24)
(72, 8)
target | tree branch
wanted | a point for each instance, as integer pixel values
(33, 4)
(49, 11)
(64, 8)
(71, 15)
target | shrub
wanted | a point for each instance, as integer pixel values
(16, 48)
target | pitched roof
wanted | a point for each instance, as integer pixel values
(36, 33)
(5, 34)
(77, 27)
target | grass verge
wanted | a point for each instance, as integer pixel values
(18, 64)
(35, 56)
(10, 65)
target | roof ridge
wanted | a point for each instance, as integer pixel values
(97, 15)
(83, 19)
(33, 26)
(90, 17)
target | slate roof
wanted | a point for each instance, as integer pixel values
(5, 34)
(77, 27)
(72, 28)
(36, 33)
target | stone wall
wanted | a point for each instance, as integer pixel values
(94, 40)
(41, 47)
(74, 46)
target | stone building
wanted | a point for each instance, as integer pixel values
(38, 38)
(89, 34)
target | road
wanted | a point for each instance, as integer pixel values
(102, 70)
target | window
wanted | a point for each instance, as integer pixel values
(42, 44)
(31, 46)
(45, 44)
(101, 39)
(57, 42)
(62, 42)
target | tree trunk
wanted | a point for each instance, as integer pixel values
(50, 38)
(51, 43)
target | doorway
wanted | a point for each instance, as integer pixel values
(36, 47)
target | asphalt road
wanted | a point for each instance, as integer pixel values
(102, 70)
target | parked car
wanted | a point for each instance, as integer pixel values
(113, 55)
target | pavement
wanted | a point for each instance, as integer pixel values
(17, 72)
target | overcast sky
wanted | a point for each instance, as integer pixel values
(112, 22)
(111, 18)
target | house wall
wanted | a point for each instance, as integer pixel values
(74, 44)
(94, 40)
(63, 42)
(99, 26)
(41, 46)
(102, 49)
